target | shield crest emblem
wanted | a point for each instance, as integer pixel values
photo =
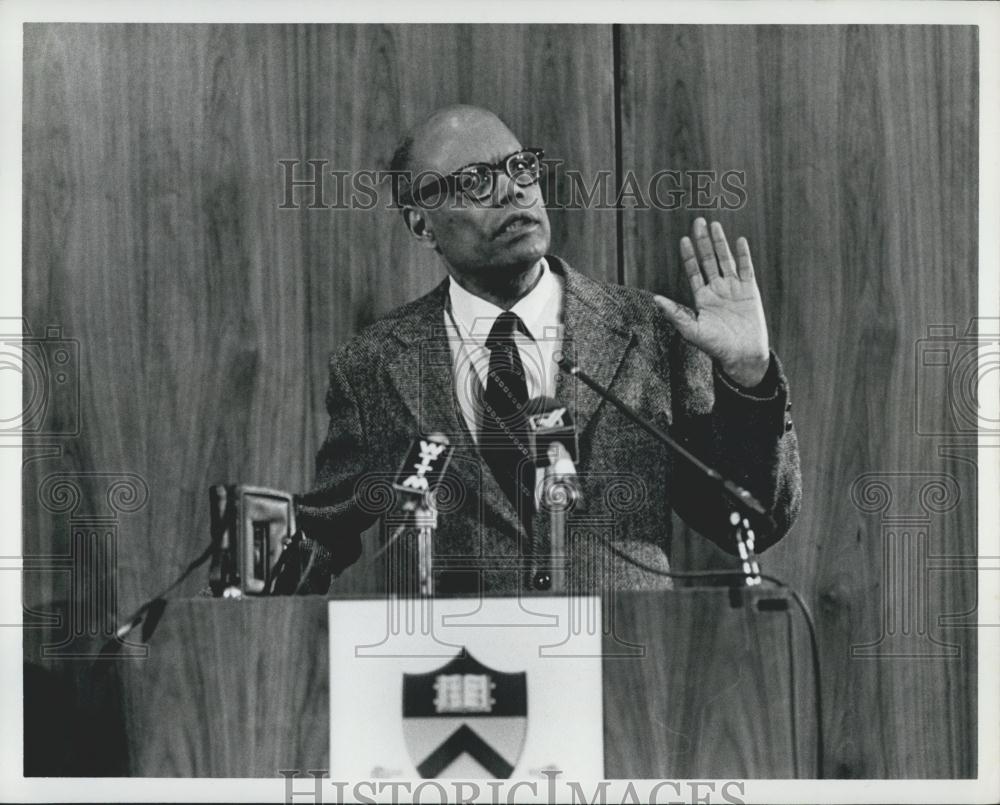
(465, 719)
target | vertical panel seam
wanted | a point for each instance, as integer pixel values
(616, 102)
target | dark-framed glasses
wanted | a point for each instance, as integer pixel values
(476, 181)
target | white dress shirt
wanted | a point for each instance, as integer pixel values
(469, 319)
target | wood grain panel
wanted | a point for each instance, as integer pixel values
(230, 689)
(859, 146)
(710, 698)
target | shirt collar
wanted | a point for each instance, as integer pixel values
(539, 309)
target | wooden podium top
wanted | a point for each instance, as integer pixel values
(239, 688)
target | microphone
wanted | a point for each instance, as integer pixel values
(548, 423)
(740, 499)
(554, 447)
(738, 495)
(422, 471)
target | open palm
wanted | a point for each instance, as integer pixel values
(728, 320)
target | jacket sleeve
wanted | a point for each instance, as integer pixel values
(745, 434)
(331, 514)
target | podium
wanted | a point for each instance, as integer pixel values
(240, 688)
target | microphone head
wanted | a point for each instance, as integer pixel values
(545, 412)
(548, 422)
(425, 464)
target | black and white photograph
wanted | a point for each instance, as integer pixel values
(530, 403)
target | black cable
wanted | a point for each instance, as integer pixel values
(806, 615)
(814, 650)
(292, 546)
(136, 618)
(308, 569)
(793, 687)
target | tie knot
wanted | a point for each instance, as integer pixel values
(502, 333)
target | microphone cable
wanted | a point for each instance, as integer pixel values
(136, 618)
(803, 608)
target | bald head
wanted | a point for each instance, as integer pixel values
(451, 137)
(457, 135)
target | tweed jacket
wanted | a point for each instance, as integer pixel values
(394, 381)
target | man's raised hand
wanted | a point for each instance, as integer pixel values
(728, 320)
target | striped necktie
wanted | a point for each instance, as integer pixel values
(503, 439)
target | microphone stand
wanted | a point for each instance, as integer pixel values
(419, 476)
(557, 493)
(740, 499)
(425, 519)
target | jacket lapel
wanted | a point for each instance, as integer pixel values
(423, 375)
(595, 337)
(421, 371)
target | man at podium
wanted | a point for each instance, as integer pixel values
(473, 358)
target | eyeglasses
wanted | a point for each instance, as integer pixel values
(476, 181)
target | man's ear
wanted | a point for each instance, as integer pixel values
(416, 221)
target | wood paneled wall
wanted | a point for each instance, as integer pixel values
(859, 148)
(205, 314)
